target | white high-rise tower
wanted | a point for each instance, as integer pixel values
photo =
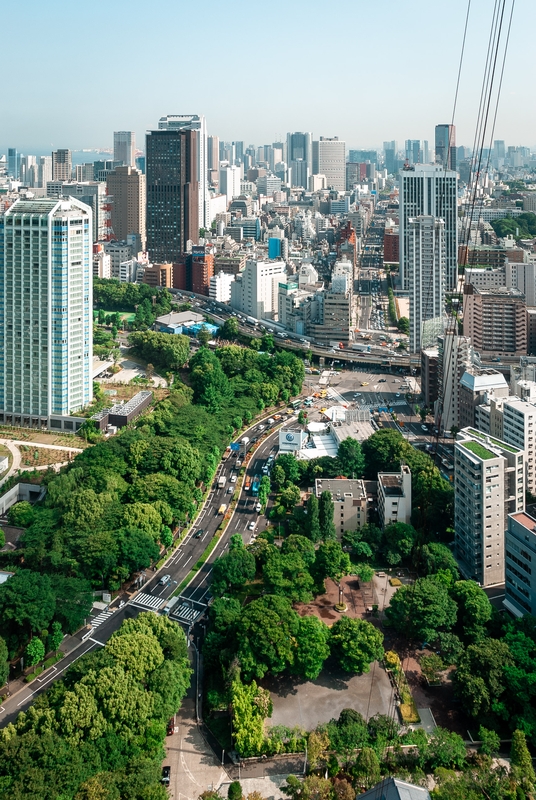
(426, 274)
(429, 190)
(46, 318)
(197, 123)
(125, 147)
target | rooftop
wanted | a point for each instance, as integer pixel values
(526, 520)
(393, 789)
(179, 318)
(391, 483)
(490, 440)
(339, 487)
(482, 380)
(479, 450)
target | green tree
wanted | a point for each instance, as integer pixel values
(383, 452)
(56, 636)
(331, 562)
(27, 605)
(4, 662)
(325, 513)
(491, 742)
(350, 457)
(265, 634)
(234, 792)
(403, 325)
(421, 611)
(479, 680)
(347, 733)
(166, 536)
(21, 514)
(289, 497)
(317, 745)
(474, 609)
(521, 761)
(398, 542)
(312, 647)
(355, 644)
(233, 570)
(367, 768)
(287, 574)
(300, 545)
(446, 749)
(434, 557)
(138, 653)
(203, 336)
(229, 329)
(35, 651)
(290, 466)
(250, 705)
(312, 530)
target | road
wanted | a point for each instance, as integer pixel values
(154, 594)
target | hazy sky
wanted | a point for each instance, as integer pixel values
(363, 70)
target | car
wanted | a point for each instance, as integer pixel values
(166, 776)
(258, 508)
(230, 490)
(251, 526)
(382, 380)
(424, 428)
(171, 727)
(364, 383)
(397, 394)
(238, 463)
(357, 394)
(164, 580)
(199, 533)
(261, 428)
(233, 478)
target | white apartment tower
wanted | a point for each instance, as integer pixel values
(426, 274)
(125, 147)
(429, 190)
(46, 318)
(194, 122)
(519, 429)
(489, 484)
(329, 159)
(255, 290)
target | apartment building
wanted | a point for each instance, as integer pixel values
(455, 355)
(158, 275)
(520, 558)
(474, 388)
(349, 502)
(519, 424)
(126, 185)
(495, 320)
(255, 290)
(394, 496)
(489, 484)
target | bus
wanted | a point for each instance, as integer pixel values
(256, 485)
(295, 404)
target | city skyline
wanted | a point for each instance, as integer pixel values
(407, 100)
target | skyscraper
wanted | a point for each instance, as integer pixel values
(213, 153)
(445, 146)
(196, 123)
(61, 165)
(300, 150)
(389, 154)
(125, 147)
(430, 190)
(426, 274)
(13, 162)
(126, 185)
(329, 159)
(172, 216)
(46, 321)
(414, 153)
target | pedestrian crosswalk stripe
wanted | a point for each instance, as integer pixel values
(102, 617)
(147, 600)
(186, 612)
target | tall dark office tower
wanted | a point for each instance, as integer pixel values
(213, 153)
(389, 152)
(414, 152)
(239, 150)
(361, 156)
(172, 193)
(445, 146)
(13, 163)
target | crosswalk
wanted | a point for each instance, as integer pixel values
(145, 600)
(100, 618)
(186, 613)
(373, 406)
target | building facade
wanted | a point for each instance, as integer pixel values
(489, 484)
(349, 502)
(196, 123)
(429, 190)
(255, 290)
(45, 310)
(425, 267)
(394, 496)
(329, 159)
(62, 167)
(445, 146)
(455, 355)
(126, 185)
(520, 557)
(496, 321)
(172, 211)
(125, 147)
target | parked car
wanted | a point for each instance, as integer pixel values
(199, 534)
(166, 776)
(251, 526)
(171, 727)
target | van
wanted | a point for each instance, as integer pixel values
(164, 580)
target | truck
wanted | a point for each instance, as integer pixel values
(336, 345)
(362, 348)
(222, 509)
(247, 483)
(252, 321)
(256, 485)
(169, 605)
(222, 481)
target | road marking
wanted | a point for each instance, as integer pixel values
(102, 644)
(186, 769)
(187, 560)
(45, 677)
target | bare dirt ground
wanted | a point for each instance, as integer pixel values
(43, 437)
(40, 456)
(356, 595)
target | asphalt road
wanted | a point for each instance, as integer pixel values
(154, 594)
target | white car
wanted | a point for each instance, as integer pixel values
(258, 508)
(233, 478)
(251, 526)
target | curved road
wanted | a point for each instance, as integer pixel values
(153, 594)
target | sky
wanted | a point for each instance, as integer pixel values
(364, 71)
